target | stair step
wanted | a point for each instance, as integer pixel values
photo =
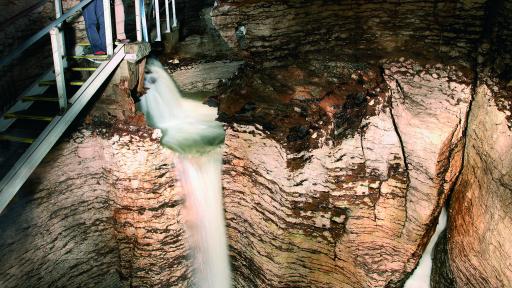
(39, 98)
(53, 82)
(47, 82)
(84, 68)
(27, 117)
(93, 57)
(16, 139)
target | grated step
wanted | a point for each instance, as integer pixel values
(16, 139)
(27, 117)
(39, 98)
(53, 82)
(47, 83)
(93, 57)
(84, 68)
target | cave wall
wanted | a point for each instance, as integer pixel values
(102, 209)
(477, 243)
(502, 44)
(340, 184)
(352, 29)
(479, 246)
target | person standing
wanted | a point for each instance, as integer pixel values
(95, 26)
(119, 14)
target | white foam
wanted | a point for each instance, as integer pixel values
(190, 129)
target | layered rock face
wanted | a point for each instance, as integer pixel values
(271, 30)
(480, 251)
(339, 185)
(477, 251)
(102, 210)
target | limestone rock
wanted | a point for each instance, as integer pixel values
(362, 205)
(102, 210)
(271, 30)
(479, 234)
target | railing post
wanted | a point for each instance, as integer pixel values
(143, 21)
(107, 13)
(174, 20)
(167, 17)
(138, 21)
(60, 33)
(157, 19)
(59, 69)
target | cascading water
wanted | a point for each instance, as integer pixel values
(189, 128)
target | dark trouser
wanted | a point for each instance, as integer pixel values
(95, 25)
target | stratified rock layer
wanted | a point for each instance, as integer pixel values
(362, 204)
(270, 30)
(99, 212)
(479, 246)
(102, 210)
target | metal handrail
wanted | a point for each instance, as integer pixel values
(30, 41)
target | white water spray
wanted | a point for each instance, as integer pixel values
(189, 128)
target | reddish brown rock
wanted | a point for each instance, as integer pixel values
(361, 204)
(479, 234)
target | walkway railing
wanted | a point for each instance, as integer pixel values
(142, 27)
(69, 107)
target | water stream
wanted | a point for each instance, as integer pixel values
(189, 128)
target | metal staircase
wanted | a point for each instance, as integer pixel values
(42, 113)
(30, 128)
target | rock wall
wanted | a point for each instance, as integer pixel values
(478, 243)
(502, 44)
(271, 30)
(317, 199)
(56, 233)
(102, 210)
(477, 246)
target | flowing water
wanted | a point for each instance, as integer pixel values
(189, 128)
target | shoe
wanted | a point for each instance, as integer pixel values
(122, 41)
(100, 53)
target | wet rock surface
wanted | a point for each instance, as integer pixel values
(102, 210)
(312, 207)
(478, 243)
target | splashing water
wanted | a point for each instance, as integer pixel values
(189, 128)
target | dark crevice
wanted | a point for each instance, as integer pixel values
(402, 148)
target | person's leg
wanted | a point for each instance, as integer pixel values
(91, 23)
(100, 16)
(119, 11)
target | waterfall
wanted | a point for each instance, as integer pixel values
(189, 128)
